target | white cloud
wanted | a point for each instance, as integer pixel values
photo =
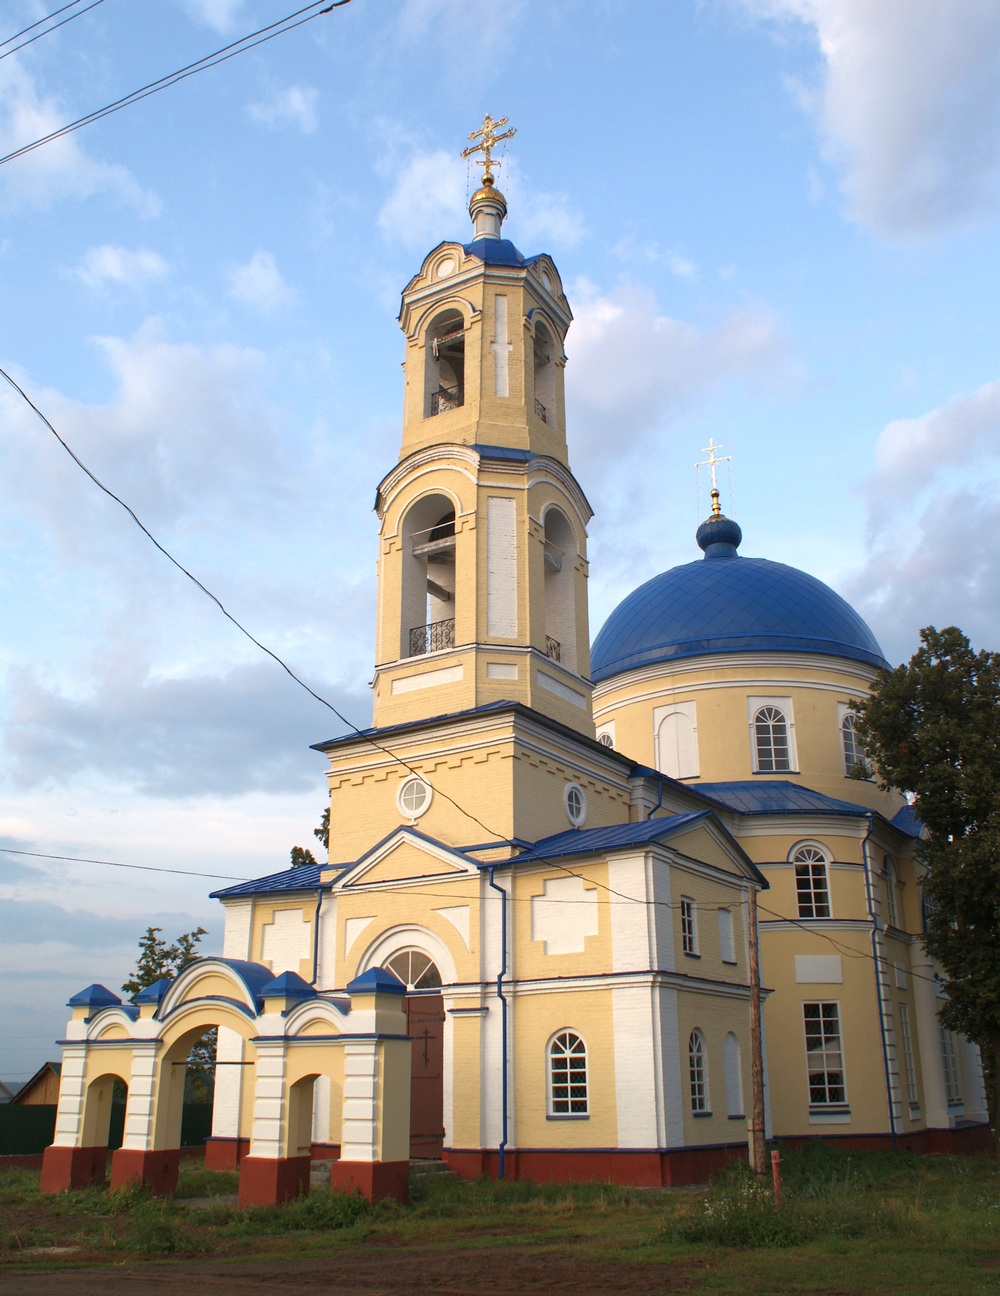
(633, 367)
(259, 283)
(427, 198)
(910, 104)
(218, 14)
(293, 106)
(933, 506)
(59, 169)
(131, 268)
(631, 250)
(542, 217)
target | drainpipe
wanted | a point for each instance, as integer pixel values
(502, 1149)
(319, 905)
(659, 799)
(879, 972)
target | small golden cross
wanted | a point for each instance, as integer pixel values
(490, 139)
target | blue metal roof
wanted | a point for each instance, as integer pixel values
(303, 878)
(726, 604)
(497, 252)
(908, 821)
(775, 796)
(594, 841)
(503, 452)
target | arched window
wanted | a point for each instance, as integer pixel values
(812, 883)
(855, 764)
(734, 1076)
(427, 601)
(772, 752)
(560, 592)
(545, 374)
(414, 969)
(698, 1072)
(567, 1075)
(444, 384)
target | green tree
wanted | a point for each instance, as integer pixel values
(932, 728)
(300, 855)
(159, 959)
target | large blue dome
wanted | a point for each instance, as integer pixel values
(729, 604)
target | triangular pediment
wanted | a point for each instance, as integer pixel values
(709, 842)
(406, 856)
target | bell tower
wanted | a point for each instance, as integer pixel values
(482, 541)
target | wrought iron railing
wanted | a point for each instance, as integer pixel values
(553, 648)
(541, 411)
(446, 398)
(432, 637)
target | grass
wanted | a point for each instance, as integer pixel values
(850, 1222)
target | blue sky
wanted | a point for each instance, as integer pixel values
(777, 221)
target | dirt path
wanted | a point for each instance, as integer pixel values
(363, 1272)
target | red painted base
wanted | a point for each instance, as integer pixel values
(965, 1141)
(645, 1168)
(72, 1167)
(372, 1179)
(225, 1153)
(265, 1181)
(157, 1169)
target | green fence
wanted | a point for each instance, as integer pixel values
(25, 1131)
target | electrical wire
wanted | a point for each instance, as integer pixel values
(49, 30)
(145, 868)
(222, 55)
(31, 26)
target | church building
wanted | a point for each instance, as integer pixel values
(549, 865)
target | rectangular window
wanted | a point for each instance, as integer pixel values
(689, 927)
(812, 889)
(906, 1040)
(824, 1055)
(949, 1055)
(727, 945)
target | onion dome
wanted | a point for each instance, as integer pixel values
(729, 604)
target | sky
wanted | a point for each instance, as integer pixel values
(777, 223)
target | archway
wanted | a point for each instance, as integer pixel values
(425, 1027)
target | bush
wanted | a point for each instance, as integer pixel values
(738, 1211)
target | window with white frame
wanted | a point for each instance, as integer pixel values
(906, 1040)
(772, 743)
(689, 926)
(824, 1055)
(727, 944)
(891, 882)
(414, 797)
(812, 883)
(949, 1056)
(855, 764)
(575, 801)
(567, 1073)
(698, 1072)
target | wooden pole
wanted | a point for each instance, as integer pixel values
(757, 1142)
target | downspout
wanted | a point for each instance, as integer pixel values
(659, 799)
(319, 905)
(877, 960)
(502, 1148)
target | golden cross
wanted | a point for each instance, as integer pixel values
(490, 139)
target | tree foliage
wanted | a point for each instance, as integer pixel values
(157, 959)
(933, 729)
(300, 855)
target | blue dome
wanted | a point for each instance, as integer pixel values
(729, 604)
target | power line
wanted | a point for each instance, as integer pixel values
(49, 30)
(259, 37)
(145, 868)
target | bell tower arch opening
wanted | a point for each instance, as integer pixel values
(560, 550)
(444, 372)
(544, 366)
(427, 623)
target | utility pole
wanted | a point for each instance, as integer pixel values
(757, 1141)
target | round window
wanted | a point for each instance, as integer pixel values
(575, 800)
(413, 798)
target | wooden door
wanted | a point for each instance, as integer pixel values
(425, 1026)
